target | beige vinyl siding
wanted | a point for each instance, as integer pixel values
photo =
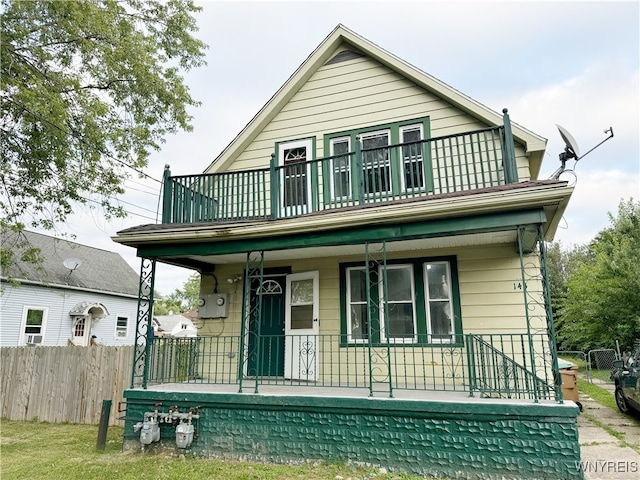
(490, 305)
(355, 94)
(487, 275)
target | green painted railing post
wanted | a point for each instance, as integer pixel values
(275, 188)
(369, 316)
(359, 173)
(551, 331)
(509, 154)
(470, 363)
(526, 311)
(167, 194)
(144, 324)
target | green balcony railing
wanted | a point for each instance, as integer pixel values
(492, 365)
(453, 163)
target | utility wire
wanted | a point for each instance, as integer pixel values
(126, 211)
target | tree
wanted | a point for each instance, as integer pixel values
(89, 89)
(180, 301)
(602, 302)
(561, 263)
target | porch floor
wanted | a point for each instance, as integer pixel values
(380, 393)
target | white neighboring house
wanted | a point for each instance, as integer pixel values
(173, 326)
(76, 293)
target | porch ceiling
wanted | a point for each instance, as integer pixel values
(475, 239)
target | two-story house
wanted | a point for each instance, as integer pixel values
(372, 249)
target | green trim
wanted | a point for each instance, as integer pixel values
(383, 406)
(352, 236)
(311, 170)
(396, 167)
(417, 264)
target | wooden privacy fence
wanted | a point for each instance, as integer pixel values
(63, 384)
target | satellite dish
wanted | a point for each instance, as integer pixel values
(72, 263)
(570, 143)
(571, 149)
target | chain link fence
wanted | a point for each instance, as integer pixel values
(595, 365)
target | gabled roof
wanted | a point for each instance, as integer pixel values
(99, 270)
(534, 144)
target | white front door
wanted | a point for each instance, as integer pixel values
(81, 330)
(301, 327)
(295, 177)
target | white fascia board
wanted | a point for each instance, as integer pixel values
(385, 214)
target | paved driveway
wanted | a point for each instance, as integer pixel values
(609, 442)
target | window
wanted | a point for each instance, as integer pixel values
(395, 160)
(438, 295)
(33, 325)
(400, 303)
(340, 168)
(357, 304)
(376, 162)
(412, 163)
(122, 327)
(78, 330)
(422, 304)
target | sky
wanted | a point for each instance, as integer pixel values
(574, 64)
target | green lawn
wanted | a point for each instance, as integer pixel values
(30, 450)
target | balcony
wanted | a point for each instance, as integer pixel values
(444, 165)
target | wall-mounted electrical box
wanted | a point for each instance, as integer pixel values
(213, 306)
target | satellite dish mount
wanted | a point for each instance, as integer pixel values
(71, 264)
(571, 149)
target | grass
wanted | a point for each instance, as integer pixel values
(51, 451)
(599, 394)
(606, 399)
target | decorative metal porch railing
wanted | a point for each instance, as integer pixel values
(496, 374)
(448, 164)
(493, 365)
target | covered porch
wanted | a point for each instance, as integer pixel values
(246, 353)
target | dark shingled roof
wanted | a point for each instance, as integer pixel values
(100, 270)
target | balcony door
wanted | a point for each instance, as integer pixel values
(295, 178)
(301, 326)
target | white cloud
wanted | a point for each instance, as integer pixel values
(597, 193)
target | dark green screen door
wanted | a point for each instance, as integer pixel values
(266, 331)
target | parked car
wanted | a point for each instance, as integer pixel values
(626, 376)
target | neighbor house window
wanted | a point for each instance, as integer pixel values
(122, 326)
(78, 330)
(33, 325)
(411, 301)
